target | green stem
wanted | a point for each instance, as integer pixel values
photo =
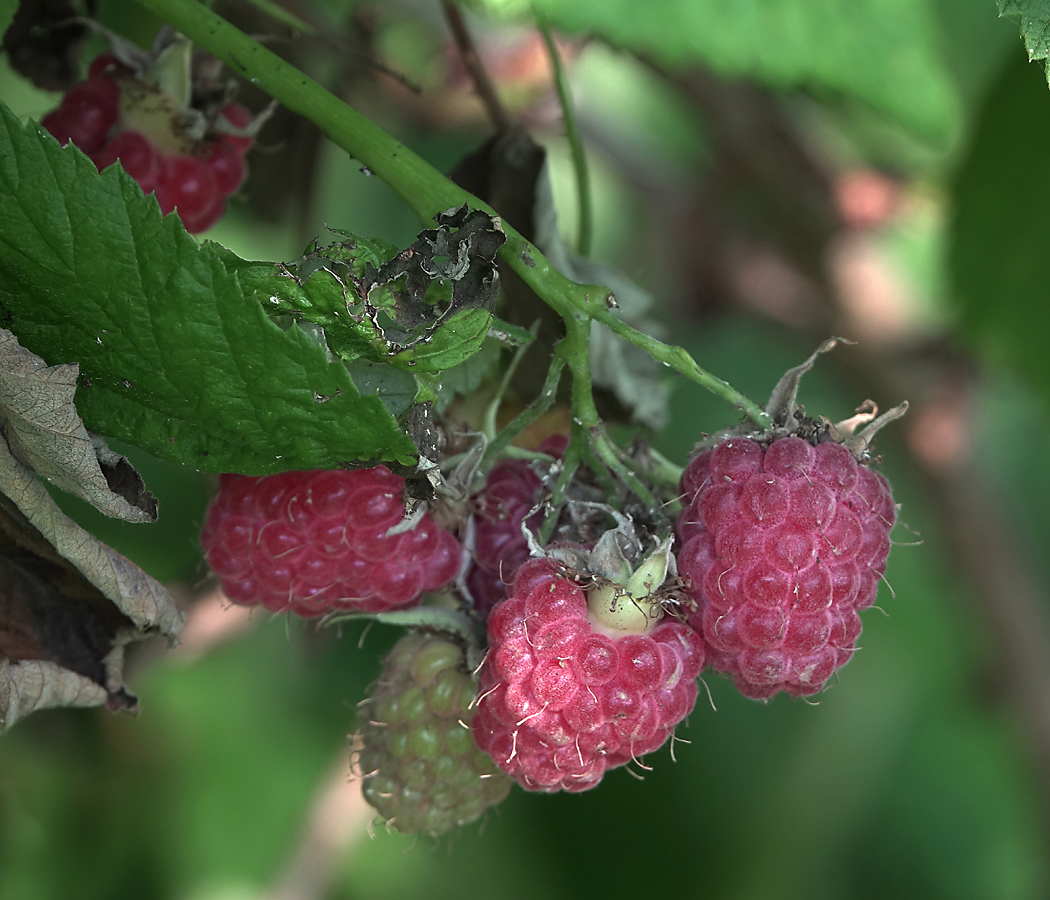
(608, 453)
(497, 446)
(488, 427)
(585, 226)
(425, 190)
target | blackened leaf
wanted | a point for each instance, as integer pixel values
(460, 252)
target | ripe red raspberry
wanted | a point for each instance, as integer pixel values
(314, 541)
(118, 116)
(86, 114)
(137, 157)
(561, 700)
(782, 545)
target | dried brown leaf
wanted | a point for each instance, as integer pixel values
(68, 603)
(45, 433)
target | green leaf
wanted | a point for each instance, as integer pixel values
(467, 376)
(884, 53)
(1033, 16)
(173, 356)
(396, 388)
(999, 262)
(8, 8)
(453, 342)
(510, 335)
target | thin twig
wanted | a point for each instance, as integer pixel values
(497, 112)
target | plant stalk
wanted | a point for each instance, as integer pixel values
(427, 192)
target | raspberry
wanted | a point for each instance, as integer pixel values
(421, 768)
(782, 547)
(314, 541)
(500, 547)
(562, 699)
(103, 116)
(86, 114)
(189, 185)
(227, 166)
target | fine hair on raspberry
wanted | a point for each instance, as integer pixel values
(561, 702)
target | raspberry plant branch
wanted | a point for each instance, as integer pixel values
(427, 192)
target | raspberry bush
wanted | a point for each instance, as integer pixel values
(377, 424)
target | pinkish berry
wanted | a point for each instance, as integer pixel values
(311, 542)
(86, 114)
(560, 702)
(511, 491)
(500, 547)
(782, 548)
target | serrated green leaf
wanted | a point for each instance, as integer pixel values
(452, 342)
(882, 52)
(1033, 17)
(173, 356)
(467, 376)
(396, 388)
(999, 264)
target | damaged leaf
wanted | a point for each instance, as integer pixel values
(46, 434)
(425, 309)
(68, 605)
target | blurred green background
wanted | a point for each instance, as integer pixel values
(773, 173)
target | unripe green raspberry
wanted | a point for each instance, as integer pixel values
(420, 767)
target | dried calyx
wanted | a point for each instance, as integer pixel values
(789, 416)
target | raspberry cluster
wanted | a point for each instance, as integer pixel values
(420, 768)
(195, 183)
(315, 541)
(782, 545)
(561, 701)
